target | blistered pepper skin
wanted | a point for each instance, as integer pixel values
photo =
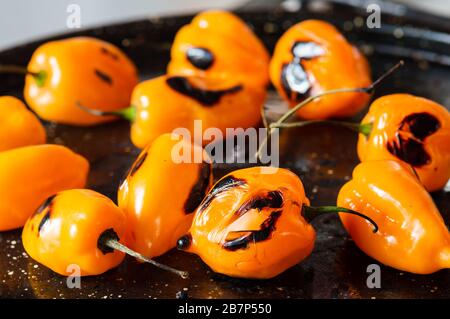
(166, 103)
(18, 126)
(250, 224)
(65, 230)
(30, 174)
(313, 57)
(411, 129)
(160, 194)
(412, 235)
(104, 81)
(218, 44)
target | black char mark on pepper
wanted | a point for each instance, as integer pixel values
(205, 97)
(408, 150)
(46, 206)
(420, 125)
(104, 77)
(138, 164)
(201, 58)
(254, 236)
(273, 199)
(105, 51)
(222, 185)
(199, 189)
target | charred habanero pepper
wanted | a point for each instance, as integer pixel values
(79, 227)
(18, 126)
(82, 70)
(218, 44)
(254, 224)
(165, 103)
(313, 57)
(413, 236)
(412, 129)
(28, 175)
(160, 194)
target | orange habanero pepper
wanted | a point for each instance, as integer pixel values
(254, 224)
(218, 44)
(82, 70)
(313, 57)
(413, 236)
(18, 126)
(28, 175)
(78, 227)
(161, 193)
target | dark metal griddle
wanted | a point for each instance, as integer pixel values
(322, 156)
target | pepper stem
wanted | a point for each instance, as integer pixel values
(364, 129)
(308, 100)
(109, 239)
(40, 76)
(310, 212)
(128, 113)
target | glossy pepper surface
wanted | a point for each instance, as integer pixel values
(250, 224)
(218, 44)
(313, 57)
(169, 102)
(81, 70)
(66, 229)
(412, 129)
(28, 175)
(162, 191)
(18, 126)
(413, 236)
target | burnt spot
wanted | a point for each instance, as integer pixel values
(294, 78)
(104, 239)
(136, 165)
(408, 150)
(184, 242)
(205, 97)
(104, 77)
(273, 199)
(44, 220)
(105, 51)
(420, 125)
(221, 186)
(44, 205)
(201, 58)
(199, 189)
(254, 236)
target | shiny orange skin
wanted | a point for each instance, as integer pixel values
(76, 219)
(217, 221)
(28, 175)
(160, 194)
(341, 66)
(72, 67)
(412, 235)
(160, 109)
(237, 52)
(18, 126)
(386, 114)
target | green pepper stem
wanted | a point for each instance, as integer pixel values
(310, 212)
(292, 111)
(364, 129)
(128, 113)
(40, 76)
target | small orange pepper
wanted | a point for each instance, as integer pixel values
(411, 129)
(160, 194)
(18, 126)
(413, 236)
(81, 70)
(313, 57)
(28, 175)
(218, 44)
(254, 224)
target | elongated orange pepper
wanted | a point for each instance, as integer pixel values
(411, 129)
(82, 70)
(254, 225)
(162, 191)
(28, 175)
(313, 57)
(18, 126)
(413, 236)
(79, 230)
(217, 44)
